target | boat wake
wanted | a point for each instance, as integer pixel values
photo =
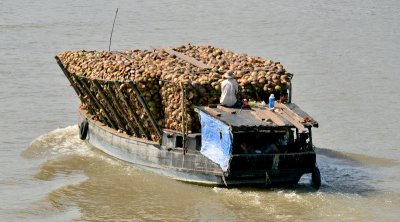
(62, 141)
(340, 172)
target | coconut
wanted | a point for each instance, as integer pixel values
(160, 77)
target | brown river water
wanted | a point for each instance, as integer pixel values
(345, 57)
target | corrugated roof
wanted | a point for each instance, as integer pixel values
(261, 118)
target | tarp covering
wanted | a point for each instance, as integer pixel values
(216, 140)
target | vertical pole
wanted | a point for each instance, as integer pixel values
(112, 30)
(183, 118)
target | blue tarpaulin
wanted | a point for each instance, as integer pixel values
(216, 140)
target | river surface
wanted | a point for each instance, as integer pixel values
(345, 57)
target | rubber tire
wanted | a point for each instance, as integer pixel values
(316, 178)
(83, 129)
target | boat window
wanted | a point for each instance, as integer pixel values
(282, 141)
(178, 141)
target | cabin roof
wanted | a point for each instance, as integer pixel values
(261, 118)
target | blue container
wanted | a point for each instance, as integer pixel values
(271, 101)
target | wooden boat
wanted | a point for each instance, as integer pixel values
(235, 146)
(215, 157)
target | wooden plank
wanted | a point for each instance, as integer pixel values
(80, 90)
(119, 108)
(188, 59)
(133, 114)
(289, 112)
(97, 103)
(267, 114)
(212, 111)
(296, 123)
(146, 108)
(90, 104)
(293, 111)
(68, 75)
(108, 104)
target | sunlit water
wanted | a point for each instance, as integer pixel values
(344, 55)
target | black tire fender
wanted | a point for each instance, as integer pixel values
(83, 129)
(316, 178)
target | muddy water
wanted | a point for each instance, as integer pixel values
(345, 58)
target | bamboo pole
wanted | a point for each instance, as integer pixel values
(108, 104)
(76, 86)
(144, 104)
(183, 119)
(119, 108)
(91, 109)
(133, 114)
(68, 75)
(107, 118)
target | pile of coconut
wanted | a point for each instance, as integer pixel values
(171, 86)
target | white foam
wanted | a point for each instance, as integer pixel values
(62, 141)
(248, 197)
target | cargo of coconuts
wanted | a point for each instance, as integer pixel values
(141, 92)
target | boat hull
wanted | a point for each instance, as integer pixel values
(191, 166)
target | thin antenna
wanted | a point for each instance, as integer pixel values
(112, 30)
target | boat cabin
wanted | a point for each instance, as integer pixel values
(230, 135)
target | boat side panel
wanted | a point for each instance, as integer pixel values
(188, 167)
(191, 167)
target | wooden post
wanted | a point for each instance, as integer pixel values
(133, 114)
(97, 103)
(144, 104)
(80, 91)
(120, 109)
(68, 75)
(183, 119)
(108, 104)
(91, 109)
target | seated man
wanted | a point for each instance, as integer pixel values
(277, 146)
(246, 149)
(229, 89)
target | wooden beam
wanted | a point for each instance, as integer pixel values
(267, 114)
(188, 59)
(146, 108)
(84, 95)
(289, 112)
(133, 114)
(119, 108)
(108, 104)
(296, 123)
(71, 81)
(86, 87)
(91, 107)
